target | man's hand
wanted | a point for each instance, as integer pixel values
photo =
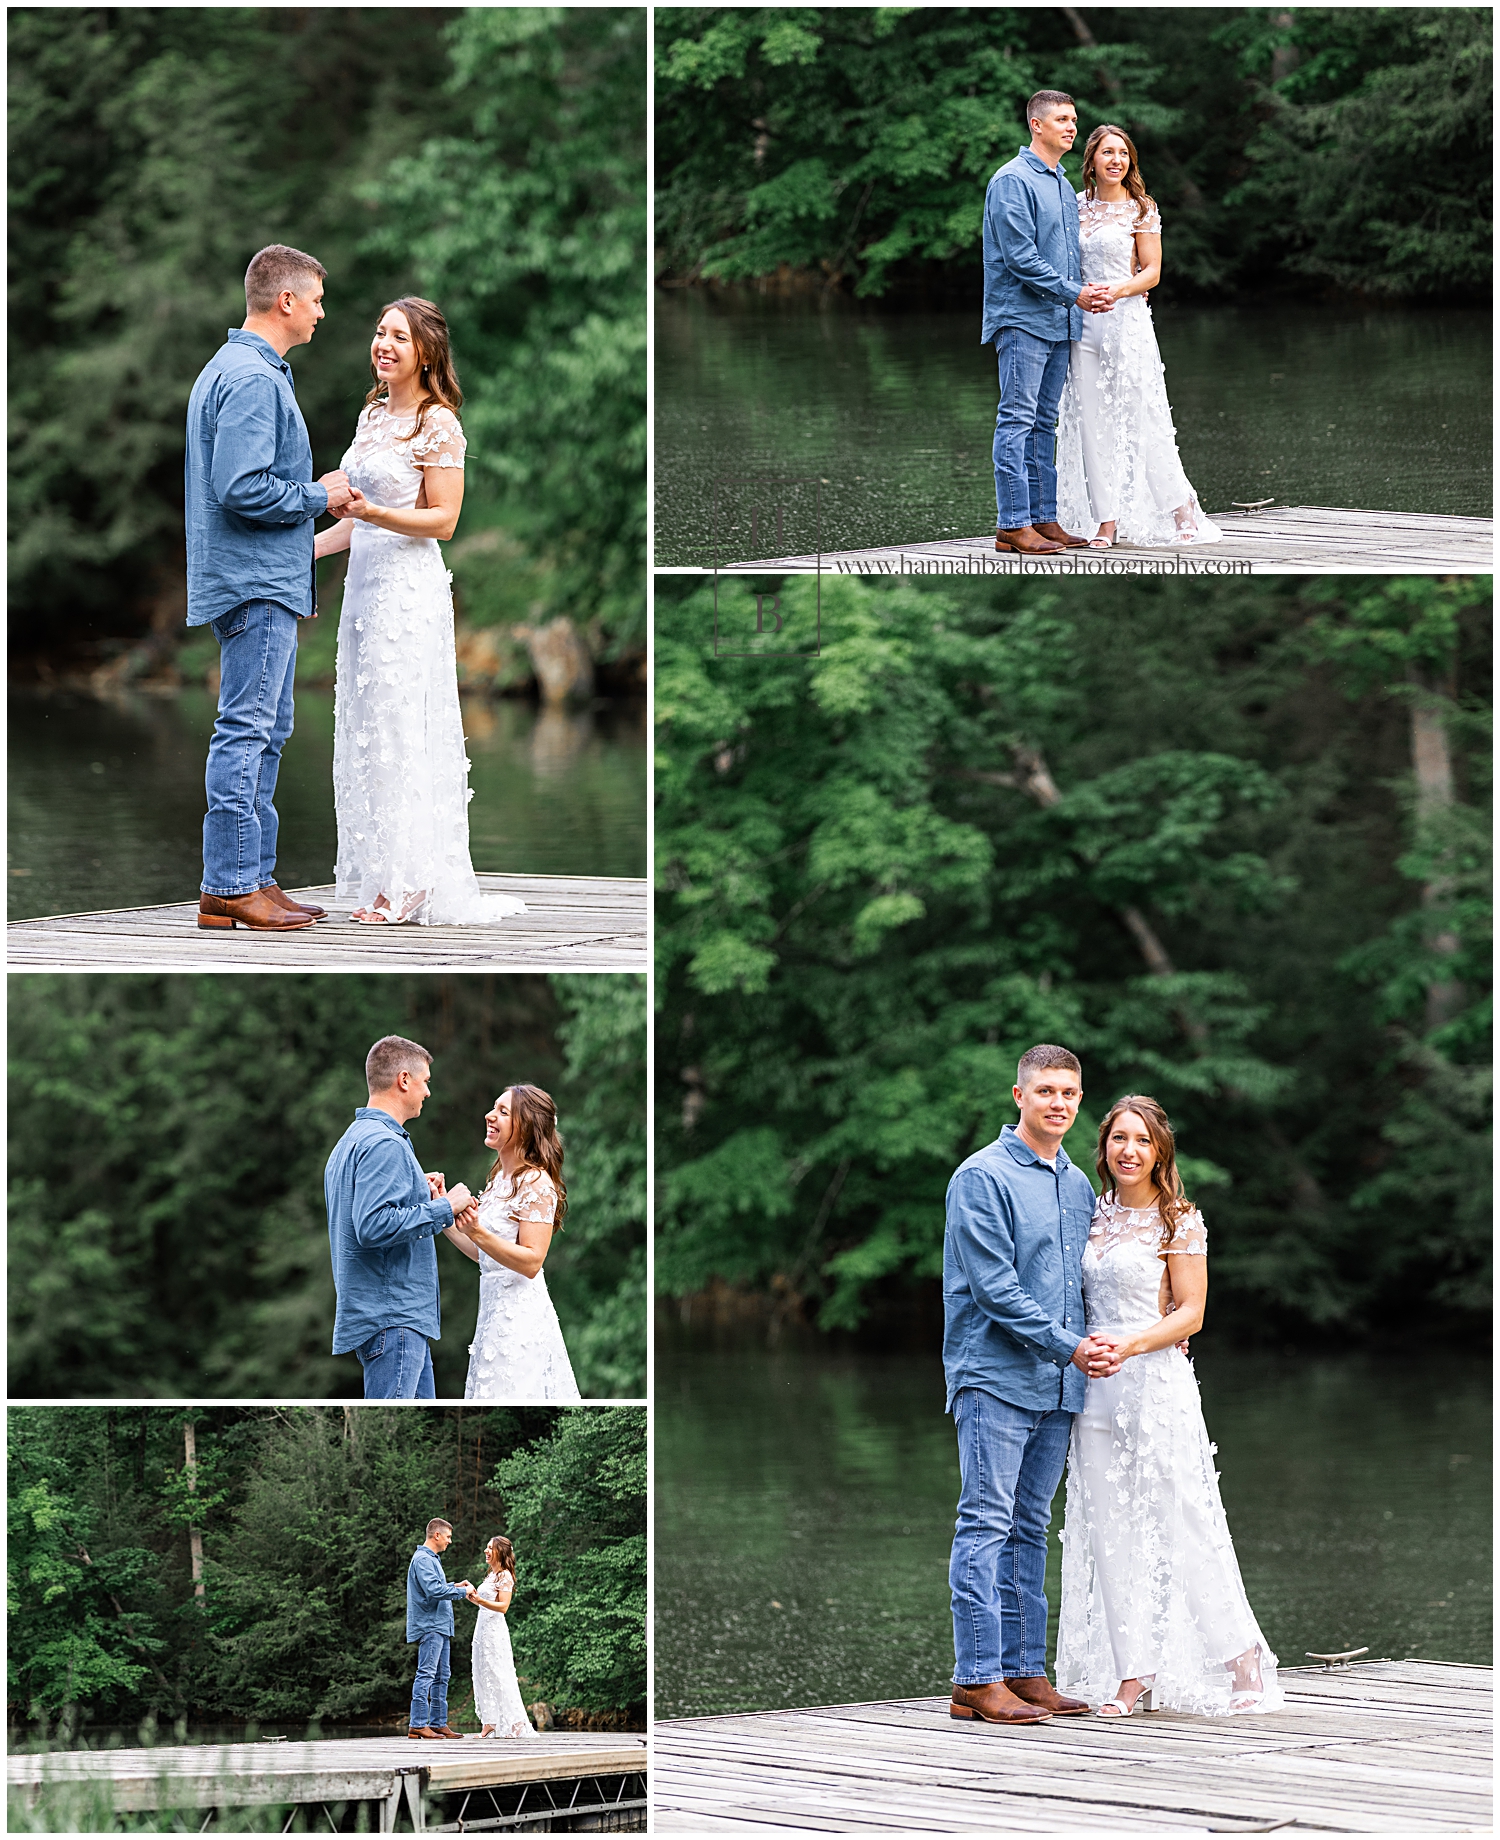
(459, 1197)
(336, 485)
(356, 505)
(1098, 298)
(469, 1219)
(436, 1184)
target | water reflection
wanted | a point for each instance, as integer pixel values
(892, 411)
(106, 797)
(805, 1500)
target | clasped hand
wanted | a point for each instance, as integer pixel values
(462, 1202)
(1098, 1356)
(1097, 298)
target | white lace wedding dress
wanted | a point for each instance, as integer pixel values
(492, 1668)
(1117, 459)
(517, 1356)
(1150, 1583)
(400, 772)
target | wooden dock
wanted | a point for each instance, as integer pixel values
(1377, 1747)
(549, 1782)
(576, 923)
(1286, 540)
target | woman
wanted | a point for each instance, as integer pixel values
(497, 1698)
(1118, 472)
(518, 1355)
(400, 775)
(1153, 1610)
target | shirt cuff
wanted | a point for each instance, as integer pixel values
(1065, 1344)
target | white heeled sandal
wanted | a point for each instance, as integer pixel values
(1142, 1702)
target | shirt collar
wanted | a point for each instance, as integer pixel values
(1017, 1145)
(1038, 164)
(374, 1111)
(239, 336)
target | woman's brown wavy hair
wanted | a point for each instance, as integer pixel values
(506, 1551)
(1170, 1199)
(1135, 186)
(439, 380)
(534, 1115)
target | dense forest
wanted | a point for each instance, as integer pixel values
(168, 1135)
(1230, 843)
(172, 1566)
(491, 158)
(1309, 147)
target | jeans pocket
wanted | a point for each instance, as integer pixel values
(373, 1349)
(230, 625)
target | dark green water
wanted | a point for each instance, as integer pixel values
(894, 411)
(106, 798)
(805, 1501)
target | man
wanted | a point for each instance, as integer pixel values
(250, 503)
(383, 1217)
(429, 1623)
(1015, 1356)
(1033, 293)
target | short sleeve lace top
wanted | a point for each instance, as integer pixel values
(1113, 1223)
(1094, 215)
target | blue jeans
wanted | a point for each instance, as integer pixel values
(257, 661)
(429, 1691)
(397, 1364)
(1010, 1461)
(1032, 374)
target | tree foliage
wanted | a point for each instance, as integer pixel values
(1168, 825)
(1295, 147)
(497, 164)
(576, 1506)
(168, 1137)
(303, 1616)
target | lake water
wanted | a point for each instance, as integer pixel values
(106, 798)
(893, 412)
(805, 1502)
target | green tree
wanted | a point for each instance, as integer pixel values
(988, 815)
(853, 145)
(307, 1533)
(575, 1509)
(498, 163)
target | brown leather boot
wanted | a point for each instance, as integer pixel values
(1054, 533)
(995, 1704)
(447, 1731)
(424, 1731)
(257, 911)
(1026, 542)
(1038, 1691)
(283, 899)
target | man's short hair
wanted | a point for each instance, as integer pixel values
(278, 266)
(1041, 103)
(1046, 1054)
(391, 1055)
(432, 1527)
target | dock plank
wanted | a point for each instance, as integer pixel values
(1365, 1749)
(327, 1769)
(1283, 540)
(574, 922)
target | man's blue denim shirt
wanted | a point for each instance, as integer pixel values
(429, 1596)
(1033, 271)
(1013, 1276)
(381, 1228)
(248, 496)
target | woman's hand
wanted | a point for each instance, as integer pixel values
(358, 506)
